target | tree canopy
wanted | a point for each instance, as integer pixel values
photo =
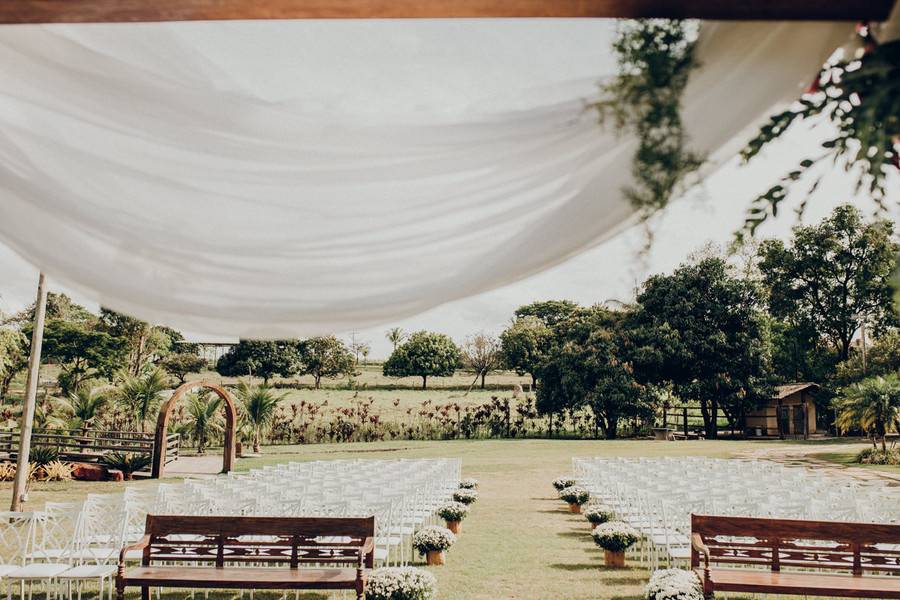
(525, 344)
(325, 356)
(264, 359)
(424, 354)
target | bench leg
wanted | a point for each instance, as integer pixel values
(145, 592)
(120, 589)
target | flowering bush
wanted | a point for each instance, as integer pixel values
(465, 496)
(562, 483)
(401, 583)
(615, 536)
(453, 511)
(674, 584)
(575, 494)
(598, 515)
(432, 538)
(469, 483)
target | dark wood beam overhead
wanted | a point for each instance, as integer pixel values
(108, 11)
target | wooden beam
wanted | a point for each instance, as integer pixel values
(109, 11)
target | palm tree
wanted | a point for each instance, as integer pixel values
(202, 416)
(873, 404)
(140, 395)
(84, 404)
(259, 403)
(395, 335)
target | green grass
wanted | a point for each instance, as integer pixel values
(848, 459)
(519, 540)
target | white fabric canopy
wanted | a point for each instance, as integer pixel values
(290, 178)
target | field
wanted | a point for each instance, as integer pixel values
(519, 541)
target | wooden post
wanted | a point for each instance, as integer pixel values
(684, 414)
(34, 364)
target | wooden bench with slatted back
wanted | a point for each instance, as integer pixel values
(786, 556)
(309, 553)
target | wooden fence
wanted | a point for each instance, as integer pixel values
(88, 445)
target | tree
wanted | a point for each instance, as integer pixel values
(549, 312)
(202, 414)
(258, 405)
(702, 331)
(139, 395)
(85, 405)
(524, 346)
(181, 364)
(144, 342)
(882, 358)
(395, 336)
(833, 276)
(324, 357)
(423, 354)
(872, 404)
(481, 353)
(82, 350)
(59, 306)
(260, 358)
(13, 357)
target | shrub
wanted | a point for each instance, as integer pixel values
(871, 456)
(615, 536)
(126, 462)
(562, 483)
(453, 511)
(42, 455)
(575, 494)
(433, 538)
(469, 483)
(465, 496)
(57, 471)
(401, 583)
(7, 471)
(673, 584)
(598, 515)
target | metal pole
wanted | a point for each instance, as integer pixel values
(34, 363)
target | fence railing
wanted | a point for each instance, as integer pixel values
(88, 444)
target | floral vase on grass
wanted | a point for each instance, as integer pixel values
(576, 496)
(597, 515)
(453, 513)
(674, 584)
(615, 537)
(432, 541)
(469, 483)
(465, 496)
(561, 483)
(401, 583)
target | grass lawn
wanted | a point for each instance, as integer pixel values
(519, 541)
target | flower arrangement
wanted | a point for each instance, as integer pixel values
(453, 511)
(575, 494)
(615, 536)
(673, 584)
(598, 515)
(433, 539)
(465, 496)
(561, 483)
(469, 483)
(401, 583)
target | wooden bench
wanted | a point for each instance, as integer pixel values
(251, 553)
(743, 554)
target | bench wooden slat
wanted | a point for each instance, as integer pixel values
(807, 584)
(250, 577)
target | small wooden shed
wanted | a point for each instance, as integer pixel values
(791, 413)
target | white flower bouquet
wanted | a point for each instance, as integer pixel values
(469, 483)
(561, 483)
(465, 496)
(674, 584)
(615, 536)
(575, 494)
(453, 511)
(598, 514)
(401, 583)
(433, 539)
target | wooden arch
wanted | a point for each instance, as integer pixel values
(162, 425)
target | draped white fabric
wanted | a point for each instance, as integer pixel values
(289, 178)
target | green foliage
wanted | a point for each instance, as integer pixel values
(140, 396)
(85, 405)
(144, 343)
(395, 335)
(126, 462)
(873, 456)
(702, 331)
(326, 357)
(264, 359)
(423, 354)
(615, 536)
(524, 345)
(861, 99)
(655, 58)
(882, 358)
(13, 356)
(832, 273)
(180, 364)
(42, 455)
(550, 312)
(258, 406)
(82, 350)
(798, 353)
(575, 494)
(203, 417)
(872, 405)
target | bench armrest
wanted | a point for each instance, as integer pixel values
(698, 545)
(138, 545)
(368, 545)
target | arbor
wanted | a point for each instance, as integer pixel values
(203, 417)
(702, 331)
(181, 364)
(833, 276)
(873, 404)
(324, 356)
(423, 354)
(261, 359)
(395, 336)
(140, 396)
(258, 405)
(549, 312)
(524, 345)
(481, 353)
